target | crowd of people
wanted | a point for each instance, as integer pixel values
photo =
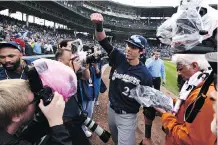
(115, 20)
(67, 126)
(35, 39)
(38, 39)
(62, 116)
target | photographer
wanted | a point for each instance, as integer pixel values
(17, 107)
(72, 109)
(189, 123)
(97, 64)
(87, 91)
(66, 44)
(69, 58)
(178, 130)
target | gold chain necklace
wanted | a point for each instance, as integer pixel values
(10, 78)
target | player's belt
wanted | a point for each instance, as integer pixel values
(155, 78)
(117, 110)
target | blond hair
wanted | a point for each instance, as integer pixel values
(13, 99)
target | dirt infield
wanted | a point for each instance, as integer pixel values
(100, 116)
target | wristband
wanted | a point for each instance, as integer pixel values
(99, 27)
(148, 131)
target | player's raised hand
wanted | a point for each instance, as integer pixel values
(97, 18)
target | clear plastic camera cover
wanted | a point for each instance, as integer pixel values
(188, 25)
(181, 31)
(150, 97)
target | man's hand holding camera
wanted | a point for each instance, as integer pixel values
(95, 65)
(75, 63)
(54, 111)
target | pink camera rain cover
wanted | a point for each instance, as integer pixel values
(57, 76)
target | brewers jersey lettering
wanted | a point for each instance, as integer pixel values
(124, 78)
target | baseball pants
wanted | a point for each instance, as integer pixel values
(122, 127)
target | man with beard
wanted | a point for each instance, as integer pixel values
(10, 59)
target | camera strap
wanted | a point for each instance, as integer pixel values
(194, 108)
(79, 105)
(73, 67)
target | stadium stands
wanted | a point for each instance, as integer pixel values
(121, 21)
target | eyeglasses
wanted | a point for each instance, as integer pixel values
(180, 68)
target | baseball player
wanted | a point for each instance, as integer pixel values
(128, 72)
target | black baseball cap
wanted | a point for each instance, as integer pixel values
(138, 41)
(10, 44)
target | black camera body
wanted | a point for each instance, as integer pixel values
(95, 58)
(73, 48)
(45, 93)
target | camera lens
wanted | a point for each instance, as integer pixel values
(74, 48)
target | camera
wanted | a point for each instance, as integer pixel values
(45, 93)
(89, 55)
(93, 54)
(83, 119)
(76, 46)
(191, 30)
(95, 57)
(94, 127)
(86, 54)
(73, 48)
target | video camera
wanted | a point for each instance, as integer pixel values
(192, 30)
(95, 57)
(87, 54)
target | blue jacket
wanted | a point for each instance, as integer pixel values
(89, 89)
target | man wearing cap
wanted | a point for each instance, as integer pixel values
(128, 73)
(21, 43)
(10, 59)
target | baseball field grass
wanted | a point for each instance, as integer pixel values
(171, 77)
